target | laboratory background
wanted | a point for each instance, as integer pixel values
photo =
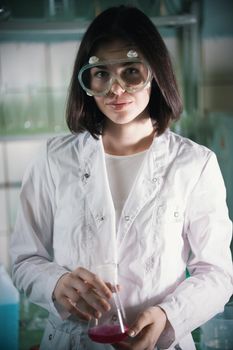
(38, 43)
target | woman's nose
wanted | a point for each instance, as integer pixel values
(116, 88)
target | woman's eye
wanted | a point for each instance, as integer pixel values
(133, 71)
(101, 75)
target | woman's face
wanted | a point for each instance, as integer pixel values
(118, 105)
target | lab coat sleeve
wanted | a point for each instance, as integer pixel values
(209, 232)
(33, 270)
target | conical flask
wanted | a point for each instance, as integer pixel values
(111, 327)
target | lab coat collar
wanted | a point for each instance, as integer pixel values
(96, 185)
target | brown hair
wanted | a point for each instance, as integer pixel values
(133, 26)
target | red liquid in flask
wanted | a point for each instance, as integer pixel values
(107, 334)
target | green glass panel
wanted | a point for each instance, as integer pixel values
(25, 113)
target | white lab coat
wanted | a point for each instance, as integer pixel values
(175, 217)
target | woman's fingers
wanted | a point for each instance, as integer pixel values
(72, 308)
(93, 280)
(147, 329)
(144, 319)
(153, 315)
(84, 291)
(96, 301)
(92, 297)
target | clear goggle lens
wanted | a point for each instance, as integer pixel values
(131, 74)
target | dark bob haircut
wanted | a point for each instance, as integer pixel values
(134, 27)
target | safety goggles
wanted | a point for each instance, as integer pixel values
(132, 74)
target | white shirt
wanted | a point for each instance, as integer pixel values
(122, 172)
(174, 217)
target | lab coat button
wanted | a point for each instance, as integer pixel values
(154, 179)
(127, 218)
(85, 177)
(176, 214)
(100, 218)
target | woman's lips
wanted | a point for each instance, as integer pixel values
(119, 105)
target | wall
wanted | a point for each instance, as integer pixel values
(33, 86)
(217, 56)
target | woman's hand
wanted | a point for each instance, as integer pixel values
(82, 293)
(145, 331)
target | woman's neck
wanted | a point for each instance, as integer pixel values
(126, 139)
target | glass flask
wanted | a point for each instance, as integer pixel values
(111, 327)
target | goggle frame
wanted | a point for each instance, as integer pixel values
(114, 77)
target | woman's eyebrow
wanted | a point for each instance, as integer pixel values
(99, 66)
(128, 63)
(106, 66)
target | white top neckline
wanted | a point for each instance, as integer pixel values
(107, 155)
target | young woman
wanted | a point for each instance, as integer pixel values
(124, 191)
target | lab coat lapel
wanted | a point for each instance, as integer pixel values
(148, 184)
(99, 199)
